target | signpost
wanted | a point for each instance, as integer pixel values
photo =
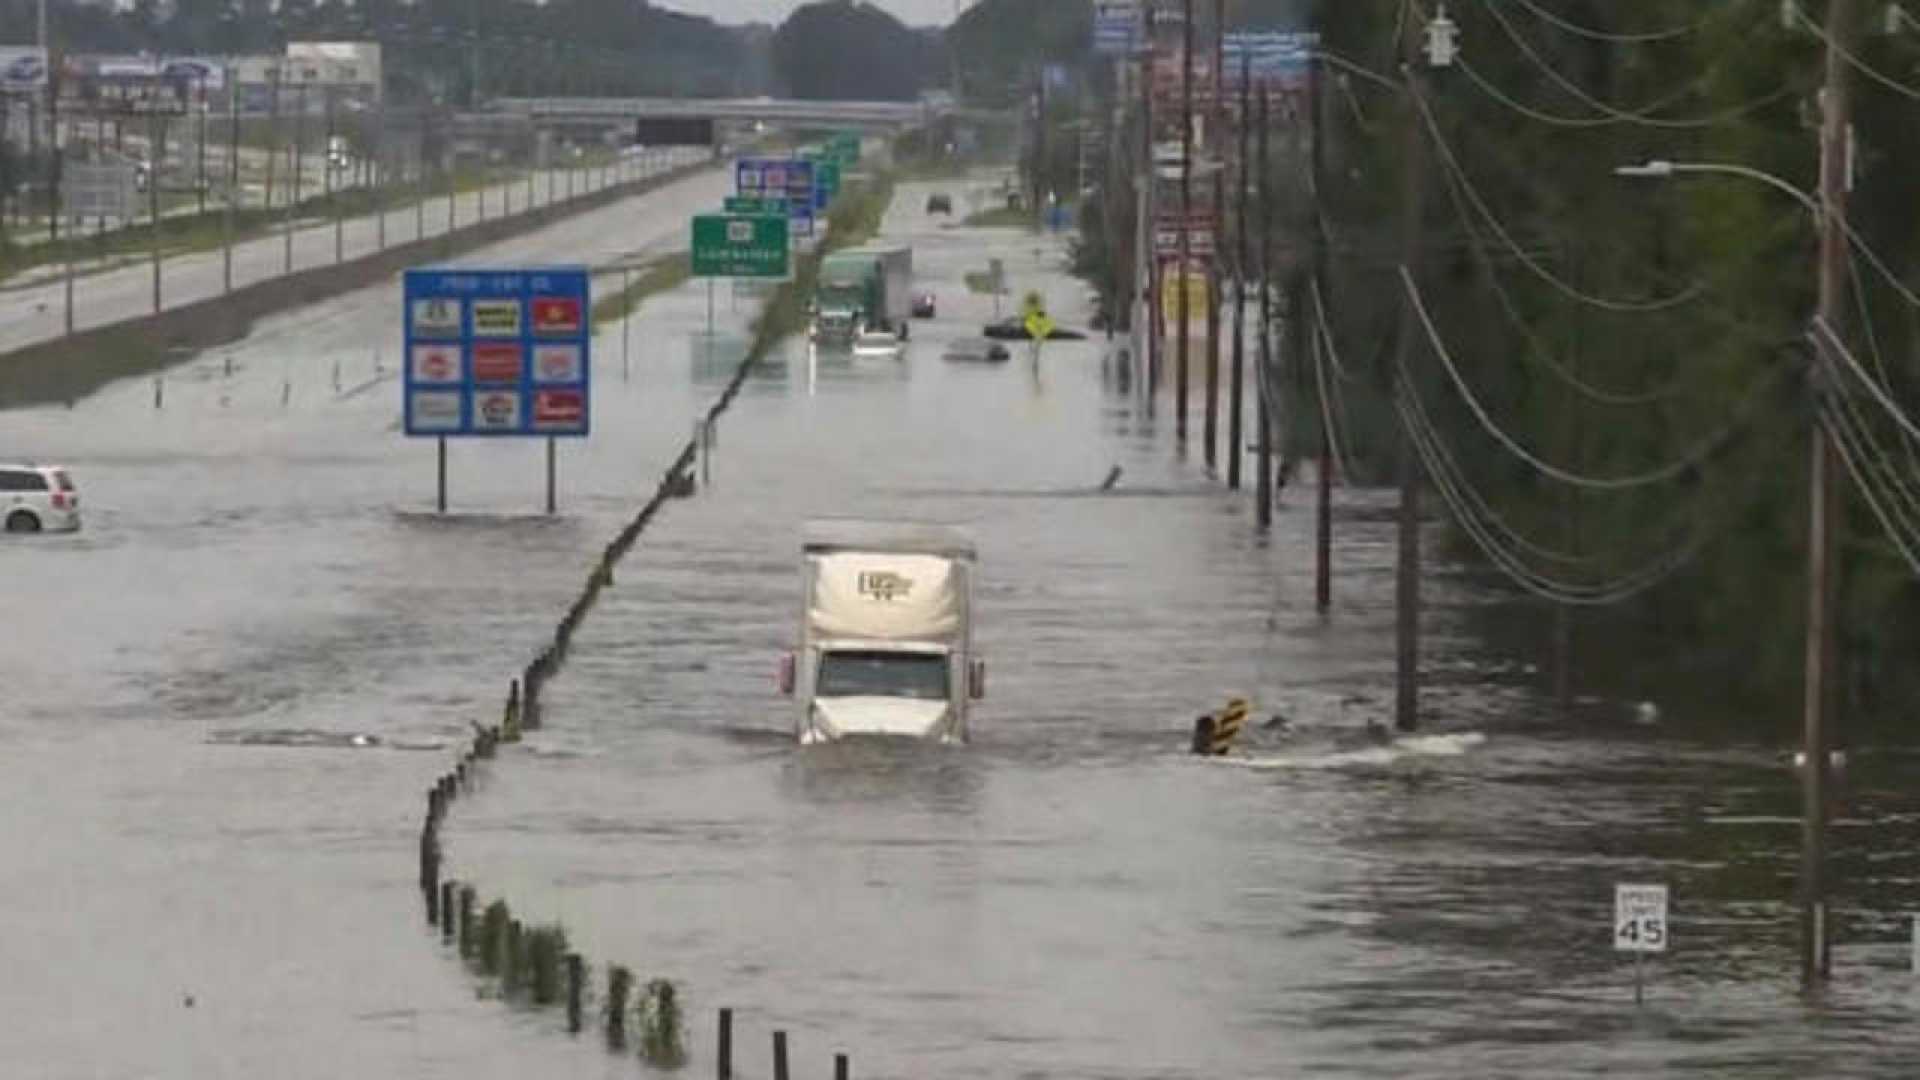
(497, 353)
(791, 177)
(1639, 926)
(740, 246)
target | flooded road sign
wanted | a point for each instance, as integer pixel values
(1639, 927)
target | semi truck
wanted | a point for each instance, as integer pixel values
(886, 632)
(863, 289)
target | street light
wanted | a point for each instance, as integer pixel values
(1658, 169)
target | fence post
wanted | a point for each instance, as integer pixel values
(780, 1055)
(576, 978)
(840, 1069)
(446, 911)
(725, 1056)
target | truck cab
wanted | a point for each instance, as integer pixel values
(886, 634)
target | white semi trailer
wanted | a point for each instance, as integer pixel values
(886, 632)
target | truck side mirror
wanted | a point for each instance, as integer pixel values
(976, 679)
(786, 673)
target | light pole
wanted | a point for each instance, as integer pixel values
(1823, 522)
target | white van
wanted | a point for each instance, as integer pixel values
(38, 497)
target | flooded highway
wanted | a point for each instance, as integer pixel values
(200, 860)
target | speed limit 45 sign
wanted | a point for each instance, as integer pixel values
(1640, 918)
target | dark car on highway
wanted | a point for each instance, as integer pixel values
(923, 305)
(939, 203)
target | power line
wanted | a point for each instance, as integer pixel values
(1453, 166)
(1645, 38)
(1320, 376)
(1880, 394)
(1849, 412)
(1865, 68)
(1866, 487)
(1690, 462)
(1643, 116)
(1535, 349)
(1619, 589)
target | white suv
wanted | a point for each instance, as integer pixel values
(36, 497)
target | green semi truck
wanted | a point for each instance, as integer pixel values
(861, 290)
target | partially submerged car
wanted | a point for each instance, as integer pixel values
(976, 351)
(923, 305)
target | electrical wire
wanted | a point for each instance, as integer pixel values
(1697, 455)
(1865, 68)
(1731, 112)
(1356, 68)
(1593, 595)
(1602, 35)
(1880, 395)
(1641, 116)
(1537, 350)
(1873, 345)
(1866, 487)
(1452, 162)
(1334, 442)
(1848, 412)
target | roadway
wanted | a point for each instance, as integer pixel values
(35, 312)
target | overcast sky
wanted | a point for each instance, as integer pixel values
(911, 12)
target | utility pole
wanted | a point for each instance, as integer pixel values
(1186, 224)
(1824, 510)
(1263, 488)
(1150, 210)
(1406, 711)
(156, 141)
(1323, 496)
(1214, 146)
(1235, 451)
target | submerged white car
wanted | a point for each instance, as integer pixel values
(878, 343)
(37, 498)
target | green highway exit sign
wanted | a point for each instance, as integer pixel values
(741, 246)
(756, 205)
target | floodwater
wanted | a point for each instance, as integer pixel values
(204, 877)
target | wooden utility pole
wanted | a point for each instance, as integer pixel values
(1186, 224)
(1823, 508)
(1323, 495)
(1263, 487)
(1406, 710)
(1235, 451)
(1215, 144)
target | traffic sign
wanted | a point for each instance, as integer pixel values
(741, 245)
(1116, 27)
(791, 177)
(1034, 317)
(98, 189)
(754, 204)
(1640, 918)
(497, 352)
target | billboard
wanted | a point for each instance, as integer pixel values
(790, 177)
(1116, 27)
(23, 69)
(1268, 56)
(673, 131)
(497, 352)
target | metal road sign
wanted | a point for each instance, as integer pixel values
(1640, 918)
(791, 177)
(497, 352)
(89, 189)
(741, 245)
(1116, 27)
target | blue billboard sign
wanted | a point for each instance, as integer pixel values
(497, 352)
(1268, 55)
(792, 178)
(1116, 27)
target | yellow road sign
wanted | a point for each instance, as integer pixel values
(1039, 326)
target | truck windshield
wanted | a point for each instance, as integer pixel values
(882, 674)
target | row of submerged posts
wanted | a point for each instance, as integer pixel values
(534, 965)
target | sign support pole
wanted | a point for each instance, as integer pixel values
(440, 501)
(626, 327)
(551, 442)
(1639, 978)
(709, 307)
